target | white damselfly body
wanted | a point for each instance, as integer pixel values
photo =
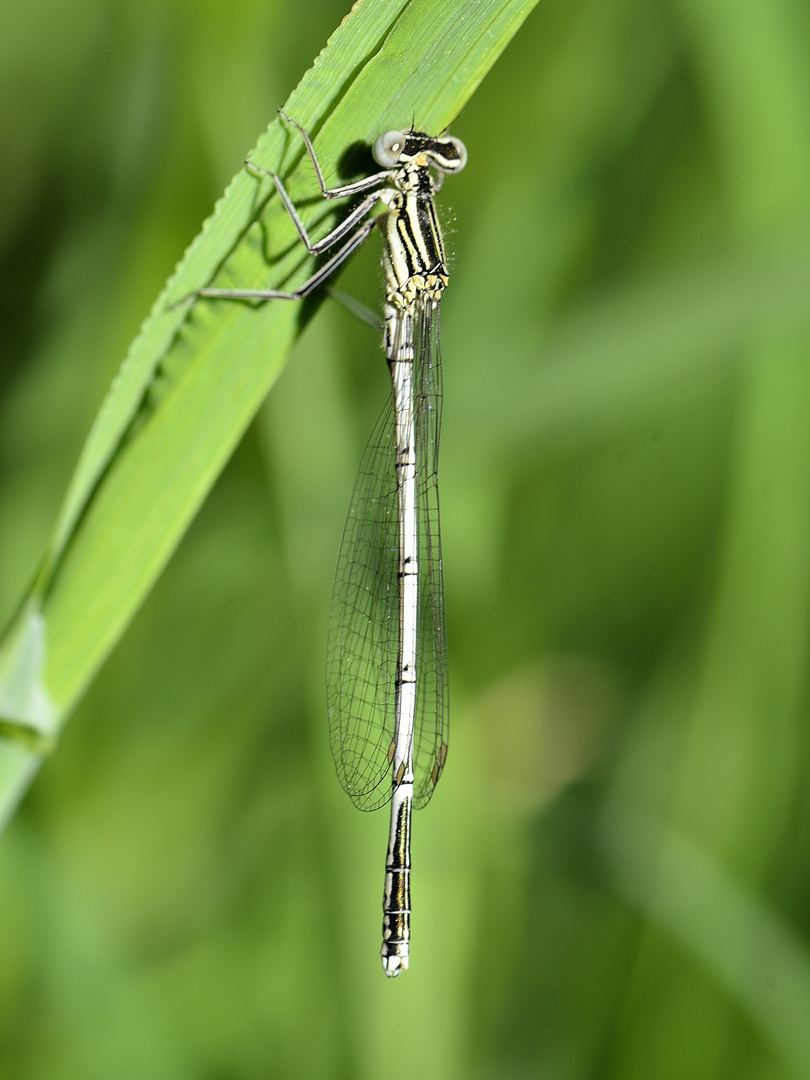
(386, 664)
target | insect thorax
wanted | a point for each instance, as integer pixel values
(413, 254)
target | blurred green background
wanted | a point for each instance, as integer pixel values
(612, 879)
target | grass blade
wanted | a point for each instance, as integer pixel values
(195, 375)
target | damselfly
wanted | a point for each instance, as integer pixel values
(386, 666)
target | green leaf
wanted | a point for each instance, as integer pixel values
(197, 372)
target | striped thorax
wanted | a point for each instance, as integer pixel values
(413, 252)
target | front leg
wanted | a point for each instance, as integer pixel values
(375, 181)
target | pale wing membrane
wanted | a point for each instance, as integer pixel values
(364, 622)
(364, 627)
(430, 729)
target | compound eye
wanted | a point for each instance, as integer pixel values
(457, 162)
(387, 150)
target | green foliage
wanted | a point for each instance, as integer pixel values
(196, 374)
(611, 879)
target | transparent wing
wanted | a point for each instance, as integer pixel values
(364, 623)
(361, 663)
(430, 730)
